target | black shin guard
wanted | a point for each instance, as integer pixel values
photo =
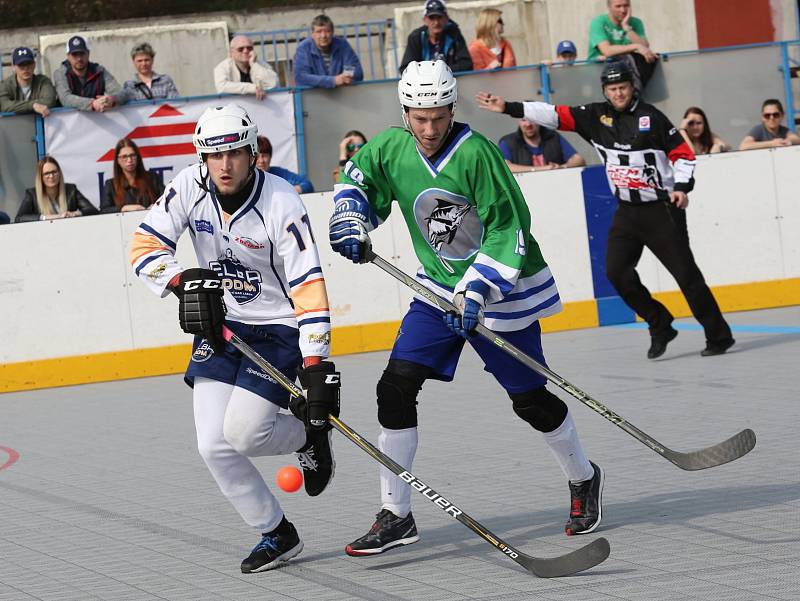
(540, 408)
(397, 394)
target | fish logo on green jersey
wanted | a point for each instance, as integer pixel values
(449, 223)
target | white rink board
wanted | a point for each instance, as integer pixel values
(70, 290)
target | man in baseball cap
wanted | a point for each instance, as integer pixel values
(85, 85)
(24, 91)
(438, 39)
(566, 51)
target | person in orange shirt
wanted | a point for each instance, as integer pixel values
(489, 49)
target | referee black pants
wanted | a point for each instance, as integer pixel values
(661, 227)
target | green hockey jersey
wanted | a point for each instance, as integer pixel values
(467, 218)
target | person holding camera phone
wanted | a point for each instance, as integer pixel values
(350, 144)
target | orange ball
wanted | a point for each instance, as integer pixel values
(289, 478)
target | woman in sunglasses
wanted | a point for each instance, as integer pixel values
(771, 133)
(696, 130)
(350, 144)
(489, 49)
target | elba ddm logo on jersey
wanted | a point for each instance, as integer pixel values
(449, 222)
(243, 283)
(203, 352)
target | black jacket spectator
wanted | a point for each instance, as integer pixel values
(29, 211)
(453, 48)
(132, 196)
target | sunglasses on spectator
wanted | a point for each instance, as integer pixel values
(49, 173)
(244, 48)
(352, 146)
(771, 115)
(500, 21)
(127, 157)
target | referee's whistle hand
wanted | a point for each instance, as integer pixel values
(490, 102)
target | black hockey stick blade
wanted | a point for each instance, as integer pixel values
(724, 452)
(581, 559)
(719, 454)
(577, 561)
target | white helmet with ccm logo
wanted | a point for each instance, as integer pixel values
(223, 128)
(427, 84)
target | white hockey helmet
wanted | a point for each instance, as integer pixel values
(223, 128)
(427, 84)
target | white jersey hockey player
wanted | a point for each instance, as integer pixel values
(259, 265)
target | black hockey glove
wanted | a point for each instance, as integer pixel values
(321, 383)
(201, 309)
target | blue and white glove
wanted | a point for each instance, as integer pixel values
(348, 227)
(470, 304)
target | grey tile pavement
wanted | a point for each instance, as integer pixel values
(109, 499)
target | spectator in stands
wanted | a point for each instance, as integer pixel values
(489, 49)
(438, 38)
(350, 144)
(696, 130)
(771, 133)
(24, 91)
(325, 61)
(85, 85)
(619, 34)
(132, 188)
(146, 83)
(566, 53)
(536, 148)
(4, 218)
(241, 73)
(300, 183)
(51, 197)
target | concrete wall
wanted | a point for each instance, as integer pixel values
(63, 323)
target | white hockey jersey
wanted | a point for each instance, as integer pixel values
(265, 253)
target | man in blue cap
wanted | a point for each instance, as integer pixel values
(566, 52)
(85, 85)
(24, 91)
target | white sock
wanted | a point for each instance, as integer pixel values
(400, 445)
(567, 449)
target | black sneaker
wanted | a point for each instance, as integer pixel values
(387, 532)
(587, 504)
(276, 548)
(717, 348)
(658, 343)
(316, 459)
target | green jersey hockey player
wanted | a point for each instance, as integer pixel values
(470, 227)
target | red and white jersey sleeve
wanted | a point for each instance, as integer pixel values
(264, 252)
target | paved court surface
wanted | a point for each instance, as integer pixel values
(109, 500)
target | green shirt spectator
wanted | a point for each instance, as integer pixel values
(604, 29)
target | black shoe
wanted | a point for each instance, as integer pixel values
(387, 532)
(658, 343)
(586, 510)
(275, 548)
(316, 459)
(717, 348)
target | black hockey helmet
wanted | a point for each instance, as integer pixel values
(616, 72)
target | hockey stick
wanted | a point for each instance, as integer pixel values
(728, 450)
(581, 559)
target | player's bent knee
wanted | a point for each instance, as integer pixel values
(540, 408)
(397, 394)
(248, 438)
